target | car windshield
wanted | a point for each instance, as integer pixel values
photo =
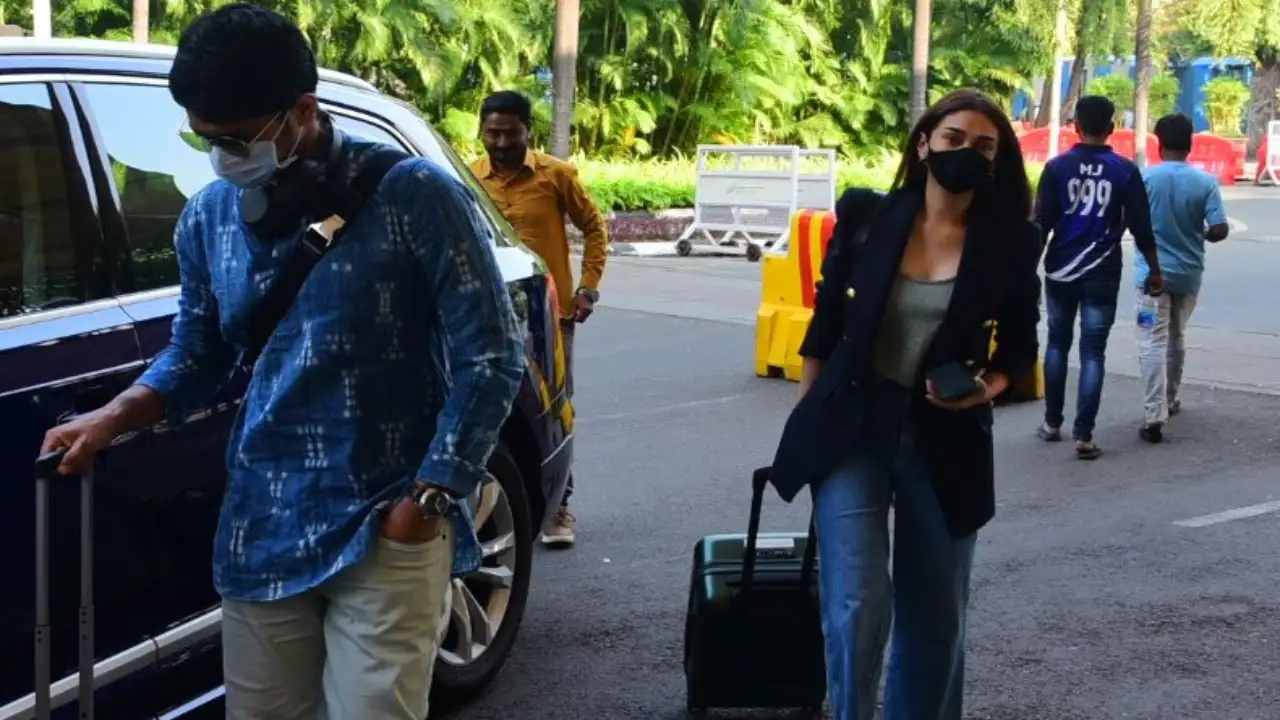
(447, 156)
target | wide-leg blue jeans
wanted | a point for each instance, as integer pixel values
(926, 598)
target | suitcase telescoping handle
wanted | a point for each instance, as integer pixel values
(760, 481)
(46, 474)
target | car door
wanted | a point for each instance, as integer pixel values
(147, 173)
(66, 347)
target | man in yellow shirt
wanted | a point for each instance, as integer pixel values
(536, 191)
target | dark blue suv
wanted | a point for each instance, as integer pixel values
(93, 175)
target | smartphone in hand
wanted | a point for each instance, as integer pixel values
(952, 381)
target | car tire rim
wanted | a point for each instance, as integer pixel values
(477, 602)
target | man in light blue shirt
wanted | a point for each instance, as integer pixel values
(1186, 211)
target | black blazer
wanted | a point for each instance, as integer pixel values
(997, 291)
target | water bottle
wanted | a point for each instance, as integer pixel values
(1148, 310)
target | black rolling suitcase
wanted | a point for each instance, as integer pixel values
(753, 637)
(46, 474)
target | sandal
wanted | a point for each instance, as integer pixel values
(1087, 450)
(1049, 434)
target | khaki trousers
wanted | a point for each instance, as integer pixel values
(359, 647)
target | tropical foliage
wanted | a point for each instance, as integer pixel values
(1162, 100)
(658, 77)
(1224, 100)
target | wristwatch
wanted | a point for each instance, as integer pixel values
(592, 295)
(432, 502)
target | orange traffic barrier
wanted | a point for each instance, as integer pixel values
(787, 290)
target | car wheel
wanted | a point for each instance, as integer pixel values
(485, 607)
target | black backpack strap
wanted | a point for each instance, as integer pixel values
(318, 240)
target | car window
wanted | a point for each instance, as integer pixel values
(42, 206)
(154, 171)
(366, 130)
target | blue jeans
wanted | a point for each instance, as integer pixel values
(1094, 299)
(927, 597)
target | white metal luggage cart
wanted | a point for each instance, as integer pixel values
(750, 191)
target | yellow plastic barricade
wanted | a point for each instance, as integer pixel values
(786, 294)
(1029, 387)
(786, 304)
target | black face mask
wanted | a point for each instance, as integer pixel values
(958, 171)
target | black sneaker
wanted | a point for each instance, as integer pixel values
(1152, 433)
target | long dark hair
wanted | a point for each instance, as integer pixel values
(1009, 192)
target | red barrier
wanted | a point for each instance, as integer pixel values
(1241, 148)
(1215, 155)
(1221, 157)
(1035, 144)
(1125, 144)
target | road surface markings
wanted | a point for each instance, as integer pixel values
(1227, 515)
(662, 409)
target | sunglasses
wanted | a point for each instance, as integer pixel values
(227, 144)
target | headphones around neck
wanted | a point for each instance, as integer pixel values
(282, 206)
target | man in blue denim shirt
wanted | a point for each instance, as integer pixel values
(395, 368)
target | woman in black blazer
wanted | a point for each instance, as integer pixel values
(896, 400)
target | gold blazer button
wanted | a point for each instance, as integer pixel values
(850, 293)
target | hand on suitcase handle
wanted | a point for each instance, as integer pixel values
(76, 442)
(47, 464)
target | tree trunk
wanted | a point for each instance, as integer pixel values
(1263, 103)
(1044, 115)
(1075, 86)
(564, 77)
(1142, 56)
(922, 20)
(141, 21)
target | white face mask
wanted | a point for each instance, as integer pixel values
(258, 166)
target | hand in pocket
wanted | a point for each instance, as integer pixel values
(404, 524)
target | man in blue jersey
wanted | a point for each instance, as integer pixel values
(1186, 210)
(1088, 197)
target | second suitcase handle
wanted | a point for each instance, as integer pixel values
(46, 471)
(760, 481)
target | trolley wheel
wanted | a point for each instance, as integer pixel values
(684, 248)
(754, 253)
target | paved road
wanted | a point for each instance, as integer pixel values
(1234, 341)
(1089, 601)
(1258, 208)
